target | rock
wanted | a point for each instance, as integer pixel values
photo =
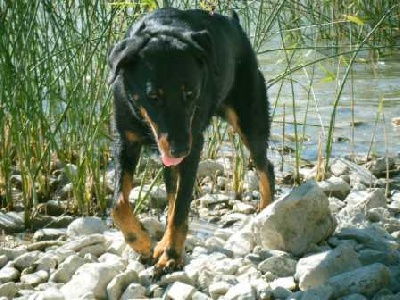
(8, 290)
(180, 291)
(153, 226)
(319, 293)
(210, 168)
(8, 274)
(280, 265)
(66, 269)
(367, 199)
(372, 237)
(338, 167)
(35, 278)
(53, 207)
(120, 282)
(314, 270)
(3, 260)
(84, 241)
(242, 291)
(48, 234)
(358, 174)
(250, 181)
(287, 283)
(27, 259)
(212, 199)
(365, 280)
(86, 226)
(47, 262)
(11, 222)
(134, 291)
(179, 276)
(218, 289)
(95, 276)
(335, 187)
(199, 296)
(243, 208)
(369, 256)
(379, 166)
(241, 243)
(296, 221)
(49, 294)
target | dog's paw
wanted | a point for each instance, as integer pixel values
(167, 265)
(166, 260)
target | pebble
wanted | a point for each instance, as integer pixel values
(303, 246)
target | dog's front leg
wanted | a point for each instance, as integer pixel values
(127, 157)
(168, 254)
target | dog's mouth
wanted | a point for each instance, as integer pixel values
(169, 161)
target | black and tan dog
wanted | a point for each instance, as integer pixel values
(173, 71)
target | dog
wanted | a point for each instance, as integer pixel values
(172, 72)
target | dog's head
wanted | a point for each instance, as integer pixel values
(163, 75)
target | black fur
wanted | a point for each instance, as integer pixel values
(175, 70)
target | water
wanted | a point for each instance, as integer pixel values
(367, 87)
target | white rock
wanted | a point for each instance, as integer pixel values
(241, 291)
(8, 274)
(372, 237)
(243, 208)
(86, 226)
(120, 282)
(212, 199)
(181, 291)
(84, 241)
(95, 276)
(280, 266)
(210, 168)
(47, 262)
(67, 269)
(296, 221)
(50, 294)
(365, 280)
(8, 290)
(218, 289)
(134, 291)
(314, 270)
(179, 276)
(335, 187)
(35, 278)
(27, 259)
(3, 260)
(250, 181)
(241, 242)
(287, 283)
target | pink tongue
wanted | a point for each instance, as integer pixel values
(171, 161)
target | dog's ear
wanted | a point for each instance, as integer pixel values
(123, 52)
(201, 41)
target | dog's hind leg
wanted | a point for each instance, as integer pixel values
(127, 156)
(168, 254)
(247, 112)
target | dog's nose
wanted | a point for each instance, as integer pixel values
(179, 150)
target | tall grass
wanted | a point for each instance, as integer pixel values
(54, 100)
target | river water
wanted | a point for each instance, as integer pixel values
(367, 88)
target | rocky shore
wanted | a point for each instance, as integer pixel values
(334, 239)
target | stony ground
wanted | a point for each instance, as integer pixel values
(335, 239)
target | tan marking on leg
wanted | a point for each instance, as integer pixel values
(131, 228)
(233, 120)
(173, 241)
(265, 190)
(132, 136)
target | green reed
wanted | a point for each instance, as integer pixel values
(55, 103)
